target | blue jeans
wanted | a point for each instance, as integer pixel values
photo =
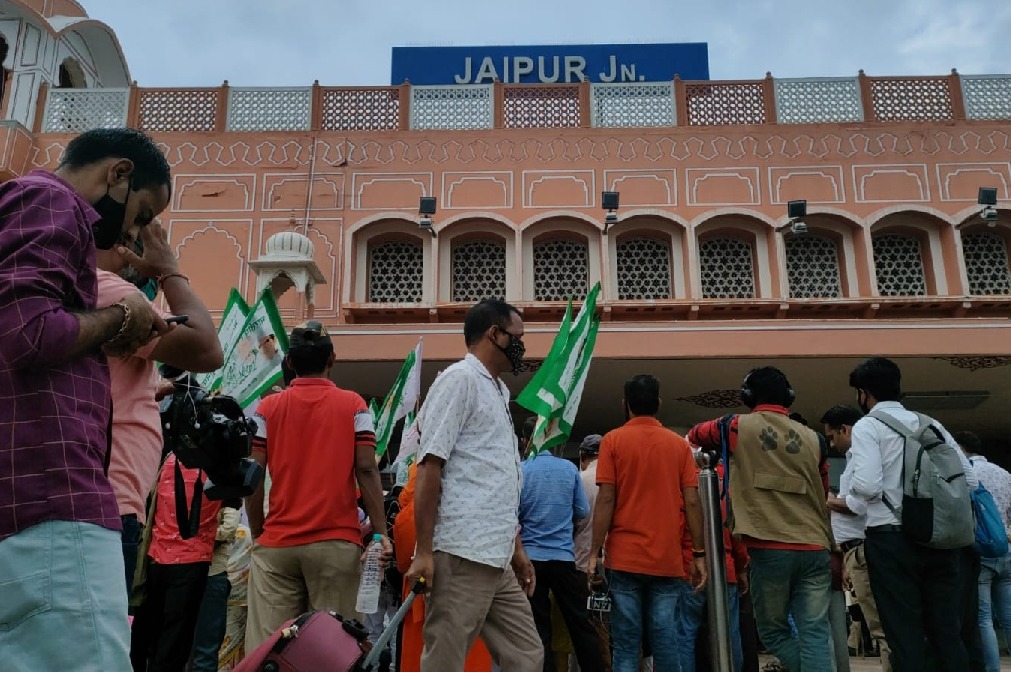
(797, 582)
(637, 598)
(690, 620)
(211, 623)
(994, 589)
(62, 599)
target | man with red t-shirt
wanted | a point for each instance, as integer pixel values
(778, 476)
(315, 440)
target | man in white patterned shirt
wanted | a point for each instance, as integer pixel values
(995, 572)
(466, 500)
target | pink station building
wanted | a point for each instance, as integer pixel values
(314, 191)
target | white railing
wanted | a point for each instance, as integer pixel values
(633, 104)
(269, 109)
(487, 106)
(77, 110)
(987, 96)
(818, 100)
(459, 107)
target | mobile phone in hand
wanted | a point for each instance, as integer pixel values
(177, 319)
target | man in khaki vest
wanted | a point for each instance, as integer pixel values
(778, 484)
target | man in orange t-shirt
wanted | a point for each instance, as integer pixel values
(647, 476)
(316, 440)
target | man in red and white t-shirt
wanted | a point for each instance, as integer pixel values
(316, 440)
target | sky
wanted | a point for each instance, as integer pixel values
(180, 43)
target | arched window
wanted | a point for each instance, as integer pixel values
(812, 266)
(396, 271)
(644, 269)
(561, 270)
(986, 263)
(71, 75)
(479, 270)
(898, 263)
(727, 268)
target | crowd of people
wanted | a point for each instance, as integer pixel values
(526, 556)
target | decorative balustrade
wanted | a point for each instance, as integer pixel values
(987, 96)
(719, 103)
(265, 109)
(541, 106)
(77, 110)
(821, 100)
(639, 104)
(526, 106)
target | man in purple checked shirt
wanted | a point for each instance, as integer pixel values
(63, 603)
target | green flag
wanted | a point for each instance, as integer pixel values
(556, 395)
(232, 320)
(253, 363)
(401, 399)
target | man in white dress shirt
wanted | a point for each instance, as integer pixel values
(466, 500)
(913, 585)
(848, 527)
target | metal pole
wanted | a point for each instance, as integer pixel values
(716, 563)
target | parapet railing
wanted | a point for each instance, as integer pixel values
(510, 106)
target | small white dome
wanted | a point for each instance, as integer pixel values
(290, 245)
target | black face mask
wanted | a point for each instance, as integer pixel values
(514, 350)
(109, 230)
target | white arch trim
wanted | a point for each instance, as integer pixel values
(672, 218)
(582, 217)
(477, 215)
(737, 212)
(875, 218)
(379, 217)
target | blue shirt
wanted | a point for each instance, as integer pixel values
(551, 500)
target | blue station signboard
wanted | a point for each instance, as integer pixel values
(550, 64)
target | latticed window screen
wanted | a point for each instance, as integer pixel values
(462, 106)
(479, 271)
(77, 110)
(812, 266)
(561, 270)
(986, 263)
(898, 263)
(361, 109)
(812, 101)
(727, 268)
(986, 96)
(260, 109)
(911, 99)
(540, 107)
(396, 271)
(166, 110)
(632, 105)
(737, 103)
(644, 269)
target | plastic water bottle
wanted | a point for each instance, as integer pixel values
(372, 578)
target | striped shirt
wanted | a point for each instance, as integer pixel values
(54, 411)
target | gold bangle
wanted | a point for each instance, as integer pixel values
(126, 321)
(175, 274)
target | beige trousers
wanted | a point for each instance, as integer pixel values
(470, 600)
(856, 567)
(286, 582)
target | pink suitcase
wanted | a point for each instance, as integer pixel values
(318, 641)
(322, 641)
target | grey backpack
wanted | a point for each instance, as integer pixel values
(936, 510)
